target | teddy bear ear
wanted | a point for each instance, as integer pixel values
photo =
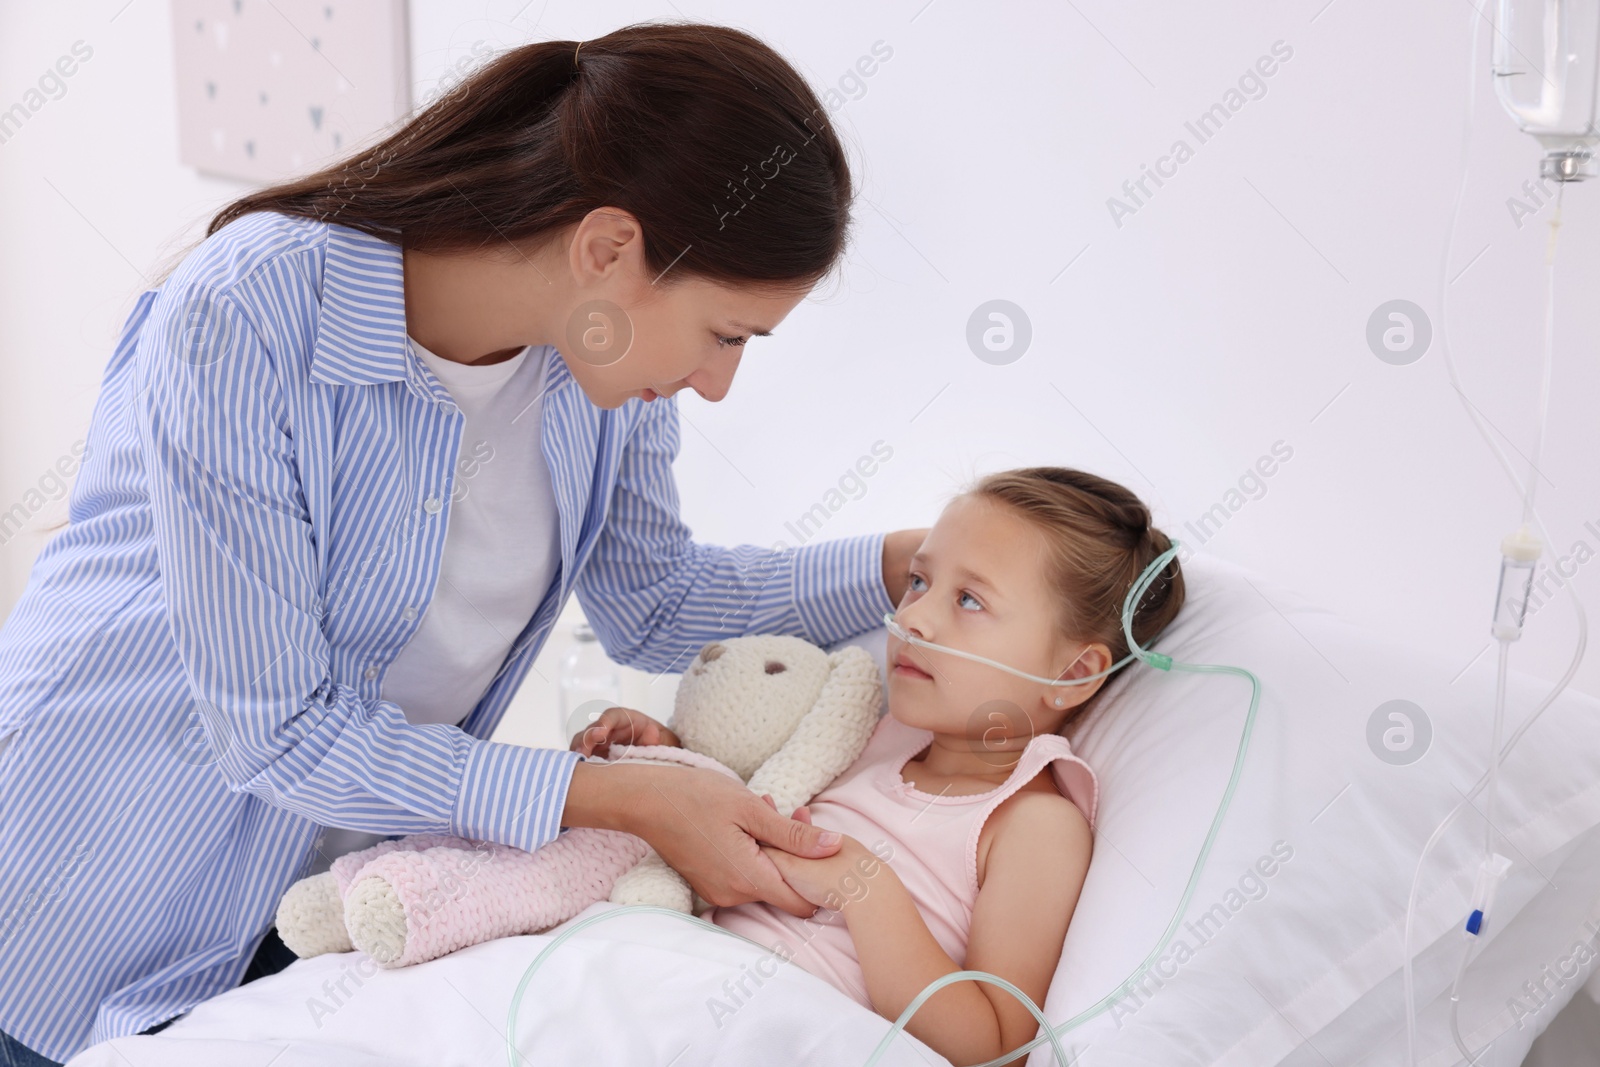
(851, 657)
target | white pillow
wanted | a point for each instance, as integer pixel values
(1300, 911)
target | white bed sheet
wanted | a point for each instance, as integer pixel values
(631, 990)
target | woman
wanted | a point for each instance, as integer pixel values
(347, 464)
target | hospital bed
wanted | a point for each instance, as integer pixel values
(1290, 949)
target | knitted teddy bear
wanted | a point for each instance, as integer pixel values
(776, 712)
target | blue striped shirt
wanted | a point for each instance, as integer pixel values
(190, 683)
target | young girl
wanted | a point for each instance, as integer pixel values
(960, 851)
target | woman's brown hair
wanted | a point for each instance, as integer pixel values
(705, 134)
(1100, 540)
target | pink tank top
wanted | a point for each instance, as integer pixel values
(930, 840)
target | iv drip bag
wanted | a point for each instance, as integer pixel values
(1546, 61)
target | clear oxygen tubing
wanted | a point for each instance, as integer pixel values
(894, 627)
(1052, 1034)
(1498, 752)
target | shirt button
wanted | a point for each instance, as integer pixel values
(409, 614)
(371, 673)
(432, 505)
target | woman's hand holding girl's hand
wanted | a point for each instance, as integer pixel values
(712, 830)
(622, 726)
(827, 882)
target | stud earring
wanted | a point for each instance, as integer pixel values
(1061, 702)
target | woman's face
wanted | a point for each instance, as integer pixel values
(627, 334)
(978, 583)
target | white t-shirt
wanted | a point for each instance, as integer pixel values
(502, 547)
(502, 550)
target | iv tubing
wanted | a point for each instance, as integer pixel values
(1498, 755)
(1549, 344)
(1492, 783)
(1472, 794)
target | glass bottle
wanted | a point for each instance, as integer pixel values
(589, 681)
(1546, 64)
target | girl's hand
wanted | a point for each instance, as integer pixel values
(625, 727)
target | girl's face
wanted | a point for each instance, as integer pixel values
(628, 335)
(979, 584)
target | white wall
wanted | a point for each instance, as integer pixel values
(1229, 312)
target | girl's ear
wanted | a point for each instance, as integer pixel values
(1094, 658)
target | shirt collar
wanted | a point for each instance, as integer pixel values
(361, 328)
